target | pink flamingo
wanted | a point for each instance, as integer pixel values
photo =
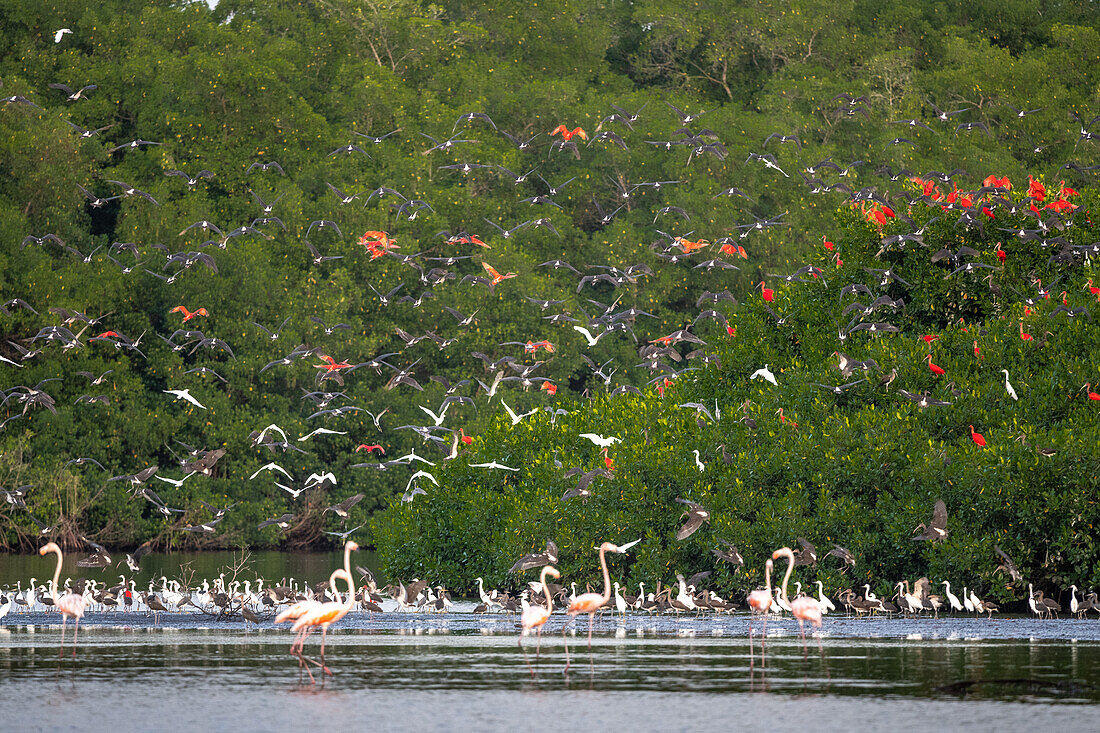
(534, 617)
(803, 608)
(70, 604)
(591, 602)
(329, 613)
(760, 601)
(295, 612)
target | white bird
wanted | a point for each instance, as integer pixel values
(437, 419)
(321, 431)
(698, 463)
(263, 433)
(271, 467)
(316, 479)
(420, 474)
(765, 373)
(411, 456)
(952, 599)
(600, 440)
(294, 493)
(512, 413)
(60, 33)
(184, 394)
(588, 335)
(1008, 386)
(173, 481)
(628, 545)
(492, 465)
(823, 601)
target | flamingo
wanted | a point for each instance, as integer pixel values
(329, 613)
(298, 610)
(535, 617)
(978, 438)
(803, 608)
(937, 370)
(69, 604)
(760, 601)
(591, 602)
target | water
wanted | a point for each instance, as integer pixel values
(461, 671)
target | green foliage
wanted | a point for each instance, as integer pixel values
(860, 469)
(260, 80)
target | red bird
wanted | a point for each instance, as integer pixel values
(1001, 255)
(549, 387)
(977, 351)
(370, 448)
(937, 370)
(332, 365)
(977, 437)
(1024, 336)
(188, 315)
(610, 464)
(1092, 395)
(768, 293)
(568, 134)
(929, 338)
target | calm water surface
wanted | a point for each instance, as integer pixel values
(460, 671)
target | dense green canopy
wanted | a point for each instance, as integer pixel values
(248, 82)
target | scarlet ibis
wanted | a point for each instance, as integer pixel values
(1094, 290)
(188, 315)
(977, 437)
(568, 134)
(1024, 336)
(1001, 255)
(929, 338)
(937, 370)
(370, 448)
(768, 293)
(1092, 395)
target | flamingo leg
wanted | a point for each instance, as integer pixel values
(752, 655)
(825, 662)
(61, 649)
(76, 631)
(566, 643)
(324, 670)
(802, 633)
(519, 643)
(763, 638)
(591, 616)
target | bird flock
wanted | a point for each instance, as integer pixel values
(462, 256)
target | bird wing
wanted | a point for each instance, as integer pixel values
(939, 515)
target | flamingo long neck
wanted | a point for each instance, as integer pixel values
(787, 575)
(768, 578)
(347, 573)
(606, 596)
(546, 590)
(56, 575)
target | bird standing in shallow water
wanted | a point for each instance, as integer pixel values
(535, 617)
(590, 603)
(70, 604)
